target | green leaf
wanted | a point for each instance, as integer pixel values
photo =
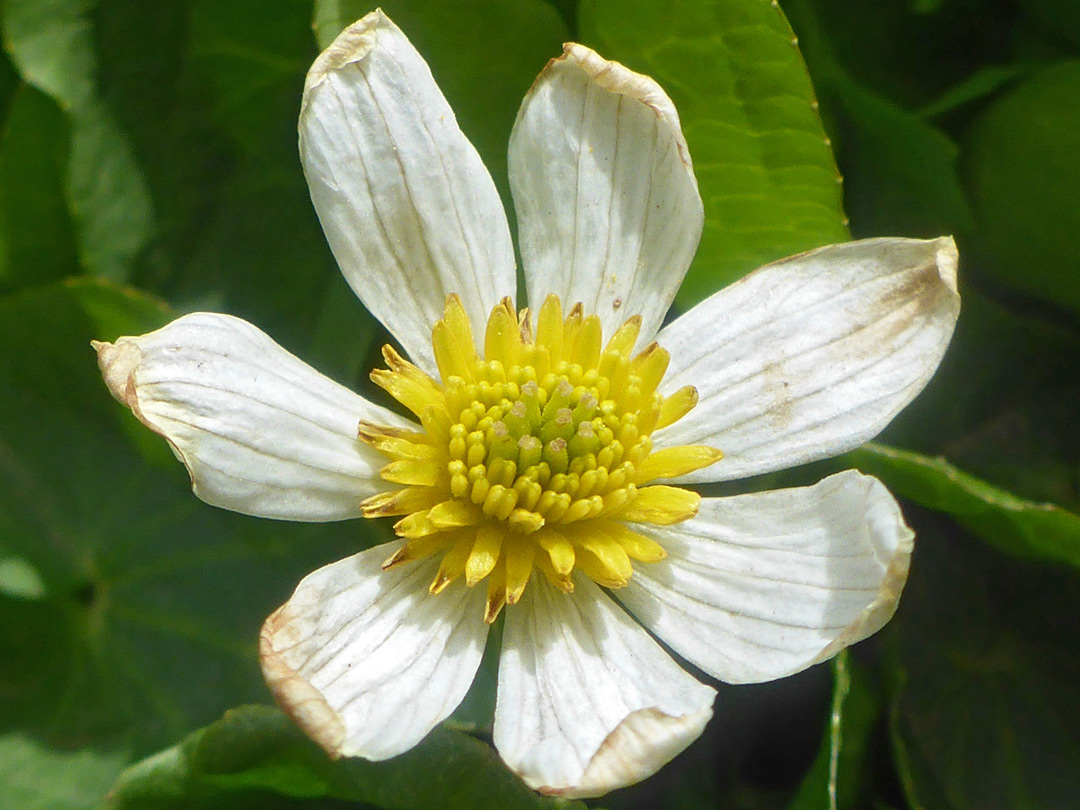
(9, 80)
(37, 240)
(20, 579)
(211, 101)
(484, 55)
(762, 160)
(1023, 169)
(256, 748)
(33, 777)
(901, 173)
(164, 98)
(1004, 392)
(838, 775)
(280, 272)
(248, 66)
(1039, 531)
(51, 43)
(344, 335)
(1059, 19)
(986, 698)
(153, 600)
(115, 310)
(976, 87)
(907, 51)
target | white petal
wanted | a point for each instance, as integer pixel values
(587, 701)
(811, 356)
(408, 208)
(260, 431)
(759, 586)
(366, 661)
(608, 208)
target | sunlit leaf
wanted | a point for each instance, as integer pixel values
(20, 579)
(32, 777)
(1024, 528)
(762, 160)
(255, 748)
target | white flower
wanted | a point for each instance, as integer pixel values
(533, 460)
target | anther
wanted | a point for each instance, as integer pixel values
(555, 455)
(517, 420)
(529, 452)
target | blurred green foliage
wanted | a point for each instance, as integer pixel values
(148, 168)
(256, 748)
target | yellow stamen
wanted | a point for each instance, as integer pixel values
(549, 326)
(419, 548)
(417, 472)
(560, 581)
(662, 505)
(585, 350)
(650, 367)
(675, 461)
(386, 438)
(496, 595)
(637, 546)
(559, 550)
(609, 554)
(485, 553)
(571, 327)
(457, 320)
(502, 341)
(412, 392)
(519, 563)
(453, 564)
(676, 406)
(452, 514)
(399, 502)
(534, 455)
(598, 571)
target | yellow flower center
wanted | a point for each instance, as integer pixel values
(534, 456)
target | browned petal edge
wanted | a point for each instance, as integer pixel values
(877, 614)
(301, 701)
(118, 362)
(352, 45)
(948, 260)
(631, 753)
(615, 77)
(940, 269)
